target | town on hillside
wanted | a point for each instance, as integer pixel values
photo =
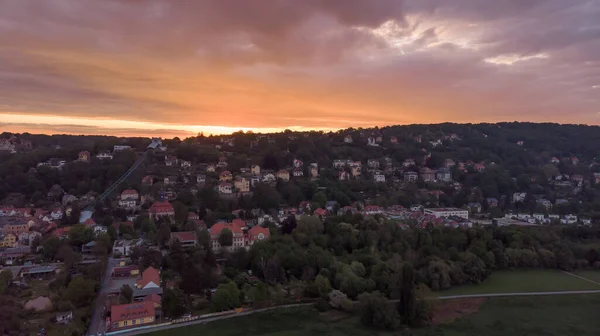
(133, 235)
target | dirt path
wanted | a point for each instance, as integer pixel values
(582, 278)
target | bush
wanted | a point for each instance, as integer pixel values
(322, 305)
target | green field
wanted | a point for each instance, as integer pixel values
(524, 281)
(547, 315)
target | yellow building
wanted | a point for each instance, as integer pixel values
(132, 314)
(255, 170)
(9, 240)
(242, 184)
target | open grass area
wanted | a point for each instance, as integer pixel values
(524, 281)
(540, 315)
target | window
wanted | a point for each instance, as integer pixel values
(124, 323)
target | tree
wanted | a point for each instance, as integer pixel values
(259, 295)
(80, 234)
(339, 300)
(322, 286)
(320, 198)
(5, 280)
(377, 312)
(407, 305)
(227, 297)
(226, 237)
(51, 246)
(80, 292)
(173, 303)
(163, 235)
(126, 294)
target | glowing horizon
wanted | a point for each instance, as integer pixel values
(123, 67)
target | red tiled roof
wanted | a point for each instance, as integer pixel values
(89, 222)
(150, 274)
(131, 310)
(184, 236)
(321, 212)
(129, 192)
(256, 230)
(216, 229)
(59, 232)
(161, 207)
(152, 298)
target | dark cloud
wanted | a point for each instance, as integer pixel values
(310, 63)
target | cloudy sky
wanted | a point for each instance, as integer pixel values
(143, 67)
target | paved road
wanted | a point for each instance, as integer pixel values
(98, 323)
(595, 291)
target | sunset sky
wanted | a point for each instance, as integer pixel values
(178, 67)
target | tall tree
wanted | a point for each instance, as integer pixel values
(407, 305)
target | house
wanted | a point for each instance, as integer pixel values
(577, 178)
(314, 169)
(225, 188)
(596, 178)
(84, 156)
(64, 318)
(372, 210)
(408, 163)
(320, 212)
(148, 180)
(132, 314)
(222, 162)
(124, 247)
(428, 175)
(283, 175)
(355, 170)
(298, 172)
(128, 199)
(269, 178)
(32, 236)
(9, 240)
(241, 184)
(255, 170)
(393, 140)
(61, 233)
(225, 176)
(449, 163)
(519, 197)
(492, 202)
(379, 177)
(479, 167)
(201, 179)
(520, 143)
(348, 139)
(411, 176)
(544, 202)
(344, 175)
(193, 216)
(125, 271)
(161, 209)
(187, 238)
(373, 164)
(475, 207)
(574, 160)
(170, 161)
(554, 160)
(337, 163)
(104, 155)
(236, 227)
(256, 233)
(443, 175)
(297, 163)
(119, 148)
(170, 180)
(372, 142)
(150, 279)
(211, 168)
(185, 164)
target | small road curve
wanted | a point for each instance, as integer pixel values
(212, 319)
(468, 296)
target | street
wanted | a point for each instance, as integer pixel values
(98, 322)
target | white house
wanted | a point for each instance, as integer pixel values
(379, 177)
(225, 188)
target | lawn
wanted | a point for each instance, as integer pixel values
(524, 281)
(541, 315)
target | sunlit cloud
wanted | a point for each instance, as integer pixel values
(513, 58)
